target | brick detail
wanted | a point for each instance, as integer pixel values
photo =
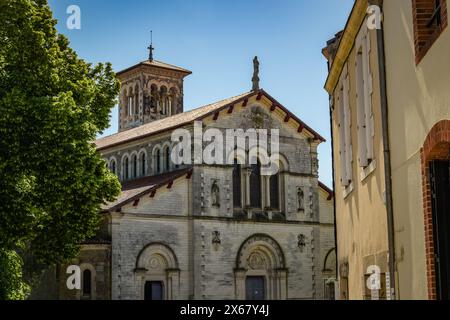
(424, 35)
(436, 147)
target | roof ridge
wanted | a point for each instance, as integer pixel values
(182, 119)
(175, 116)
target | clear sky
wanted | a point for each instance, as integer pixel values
(217, 40)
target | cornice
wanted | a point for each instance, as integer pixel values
(346, 44)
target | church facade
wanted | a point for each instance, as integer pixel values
(202, 231)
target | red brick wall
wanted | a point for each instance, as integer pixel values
(436, 147)
(424, 36)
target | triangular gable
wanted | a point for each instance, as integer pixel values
(133, 190)
(273, 106)
(199, 114)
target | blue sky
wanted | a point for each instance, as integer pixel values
(217, 40)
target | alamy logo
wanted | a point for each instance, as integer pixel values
(212, 147)
(374, 17)
(74, 280)
(373, 283)
(74, 20)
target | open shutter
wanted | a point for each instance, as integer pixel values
(360, 110)
(368, 103)
(347, 120)
(340, 109)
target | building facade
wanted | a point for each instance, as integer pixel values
(389, 105)
(206, 231)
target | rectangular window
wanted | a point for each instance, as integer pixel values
(364, 92)
(255, 186)
(237, 185)
(430, 19)
(274, 191)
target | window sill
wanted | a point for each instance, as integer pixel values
(368, 170)
(348, 190)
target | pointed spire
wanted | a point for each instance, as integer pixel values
(255, 79)
(151, 48)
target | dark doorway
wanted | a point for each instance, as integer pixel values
(255, 288)
(440, 198)
(87, 284)
(154, 290)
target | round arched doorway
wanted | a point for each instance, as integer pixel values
(260, 272)
(157, 273)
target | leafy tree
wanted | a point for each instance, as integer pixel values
(12, 286)
(52, 106)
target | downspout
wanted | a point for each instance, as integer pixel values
(386, 153)
(334, 188)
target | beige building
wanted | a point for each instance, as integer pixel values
(390, 110)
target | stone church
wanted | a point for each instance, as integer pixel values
(206, 231)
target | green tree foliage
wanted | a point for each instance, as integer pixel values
(12, 286)
(52, 106)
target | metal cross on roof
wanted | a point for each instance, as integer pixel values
(151, 48)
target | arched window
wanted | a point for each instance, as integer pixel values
(167, 106)
(126, 166)
(153, 98)
(136, 100)
(134, 166)
(87, 284)
(143, 161)
(130, 103)
(237, 202)
(163, 100)
(166, 159)
(172, 104)
(125, 101)
(158, 161)
(255, 185)
(112, 166)
(274, 191)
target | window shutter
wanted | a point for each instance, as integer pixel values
(368, 103)
(361, 117)
(341, 139)
(347, 124)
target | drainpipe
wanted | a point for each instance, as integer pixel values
(334, 191)
(386, 152)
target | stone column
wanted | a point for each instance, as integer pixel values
(282, 284)
(239, 278)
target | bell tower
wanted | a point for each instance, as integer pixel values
(150, 90)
